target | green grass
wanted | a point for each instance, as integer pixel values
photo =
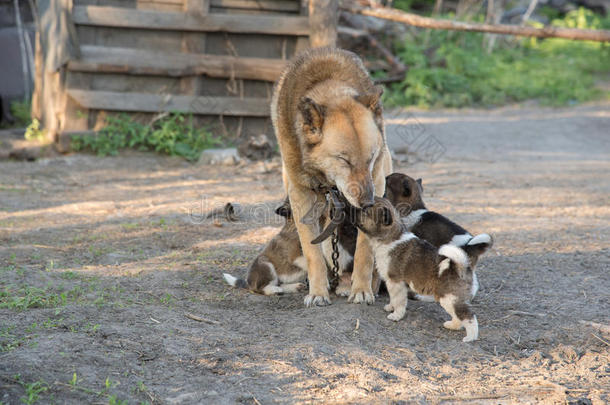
(26, 297)
(20, 110)
(174, 135)
(454, 69)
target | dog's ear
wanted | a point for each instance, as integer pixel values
(284, 210)
(421, 186)
(313, 119)
(406, 188)
(386, 216)
(372, 99)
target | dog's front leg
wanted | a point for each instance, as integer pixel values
(362, 275)
(302, 201)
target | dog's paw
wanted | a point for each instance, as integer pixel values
(453, 324)
(301, 286)
(388, 308)
(316, 300)
(359, 297)
(469, 339)
(396, 316)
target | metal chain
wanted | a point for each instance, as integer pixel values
(334, 281)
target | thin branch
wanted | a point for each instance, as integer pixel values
(425, 22)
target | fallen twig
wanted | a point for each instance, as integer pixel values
(461, 399)
(540, 315)
(398, 68)
(600, 339)
(598, 326)
(200, 319)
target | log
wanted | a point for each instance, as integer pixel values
(425, 22)
(101, 59)
(146, 102)
(267, 5)
(323, 16)
(157, 20)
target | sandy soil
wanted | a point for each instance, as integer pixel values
(101, 260)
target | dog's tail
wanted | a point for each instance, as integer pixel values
(453, 256)
(478, 245)
(234, 281)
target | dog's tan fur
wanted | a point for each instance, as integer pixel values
(328, 121)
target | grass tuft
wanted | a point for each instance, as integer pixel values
(174, 135)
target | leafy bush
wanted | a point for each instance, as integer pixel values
(453, 69)
(33, 131)
(174, 135)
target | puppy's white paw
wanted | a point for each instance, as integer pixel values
(396, 316)
(453, 324)
(316, 300)
(300, 286)
(342, 290)
(388, 308)
(362, 297)
(469, 339)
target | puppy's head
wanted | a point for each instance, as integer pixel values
(341, 138)
(379, 221)
(284, 210)
(404, 192)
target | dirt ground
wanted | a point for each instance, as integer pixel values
(104, 263)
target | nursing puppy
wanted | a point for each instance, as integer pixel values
(405, 194)
(404, 261)
(281, 266)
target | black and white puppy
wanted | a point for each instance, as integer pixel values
(405, 261)
(405, 194)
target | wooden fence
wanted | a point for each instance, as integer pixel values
(216, 59)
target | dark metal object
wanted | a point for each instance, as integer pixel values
(337, 217)
(334, 281)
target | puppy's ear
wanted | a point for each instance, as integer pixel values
(386, 216)
(421, 186)
(406, 188)
(284, 210)
(313, 119)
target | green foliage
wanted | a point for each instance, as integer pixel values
(31, 297)
(33, 391)
(451, 69)
(20, 110)
(174, 135)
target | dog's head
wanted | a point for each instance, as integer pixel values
(284, 210)
(380, 220)
(342, 139)
(404, 192)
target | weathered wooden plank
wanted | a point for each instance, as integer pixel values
(144, 102)
(270, 5)
(176, 64)
(157, 20)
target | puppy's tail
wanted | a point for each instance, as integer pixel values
(453, 256)
(234, 281)
(478, 245)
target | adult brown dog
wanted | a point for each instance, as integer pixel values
(327, 116)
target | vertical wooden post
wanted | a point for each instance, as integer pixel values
(323, 15)
(193, 43)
